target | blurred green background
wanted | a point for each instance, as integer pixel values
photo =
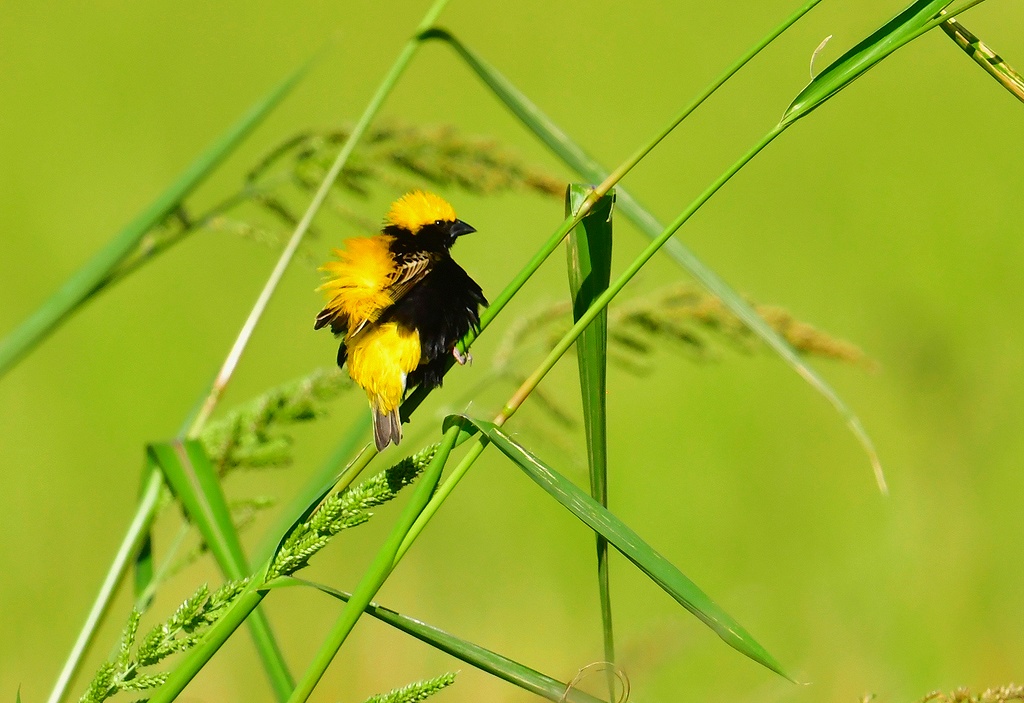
(890, 218)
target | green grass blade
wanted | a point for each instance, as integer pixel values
(63, 303)
(473, 654)
(590, 268)
(134, 539)
(565, 148)
(194, 481)
(631, 545)
(378, 572)
(981, 54)
(847, 68)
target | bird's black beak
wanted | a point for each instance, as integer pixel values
(460, 228)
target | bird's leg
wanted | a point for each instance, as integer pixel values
(463, 359)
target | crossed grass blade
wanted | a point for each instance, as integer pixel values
(484, 659)
(629, 543)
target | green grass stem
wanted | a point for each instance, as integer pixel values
(136, 534)
(374, 577)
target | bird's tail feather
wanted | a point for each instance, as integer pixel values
(387, 428)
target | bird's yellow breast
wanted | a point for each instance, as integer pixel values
(379, 359)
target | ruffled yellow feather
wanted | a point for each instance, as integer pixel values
(357, 282)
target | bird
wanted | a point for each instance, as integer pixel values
(400, 302)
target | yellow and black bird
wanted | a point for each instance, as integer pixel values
(402, 303)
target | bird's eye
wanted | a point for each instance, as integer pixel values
(438, 222)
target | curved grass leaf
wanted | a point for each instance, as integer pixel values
(629, 543)
(473, 654)
(847, 68)
(589, 251)
(192, 478)
(83, 283)
(563, 146)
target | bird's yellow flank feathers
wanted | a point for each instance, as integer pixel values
(379, 359)
(358, 281)
(415, 209)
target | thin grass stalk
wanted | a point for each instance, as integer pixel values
(374, 577)
(989, 60)
(627, 166)
(91, 278)
(606, 297)
(136, 534)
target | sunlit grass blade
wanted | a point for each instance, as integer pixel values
(135, 537)
(847, 68)
(590, 268)
(631, 545)
(985, 57)
(144, 557)
(565, 148)
(77, 289)
(473, 654)
(194, 481)
(378, 572)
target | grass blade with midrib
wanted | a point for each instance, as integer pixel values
(850, 66)
(589, 250)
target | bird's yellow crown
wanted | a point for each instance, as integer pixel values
(414, 210)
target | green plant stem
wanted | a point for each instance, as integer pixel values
(182, 674)
(379, 570)
(145, 598)
(626, 166)
(133, 539)
(441, 495)
(602, 301)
